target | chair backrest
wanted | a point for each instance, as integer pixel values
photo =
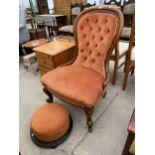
(129, 9)
(112, 2)
(75, 10)
(132, 38)
(87, 5)
(97, 30)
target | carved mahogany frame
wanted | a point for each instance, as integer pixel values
(119, 17)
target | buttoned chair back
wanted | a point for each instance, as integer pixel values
(82, 82)
(96, 32)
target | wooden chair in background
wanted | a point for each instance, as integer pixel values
(130, 56)
(76, 8)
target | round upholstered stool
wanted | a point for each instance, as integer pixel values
(51, 124)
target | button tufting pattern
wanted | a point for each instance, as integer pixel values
(95, 33)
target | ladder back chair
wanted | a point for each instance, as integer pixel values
(130, 55)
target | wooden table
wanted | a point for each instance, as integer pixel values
(34, 43)
(131, 135)
(51, 21)
(54, 53)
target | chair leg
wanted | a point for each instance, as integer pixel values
(114, 77)
(89, 112)
(132, 70)
(126, 77)
(50, 96)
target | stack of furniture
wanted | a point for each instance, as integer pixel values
(23, 31)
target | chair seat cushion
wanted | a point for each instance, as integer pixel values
(126, 32)
(67, 28)
(50, 122)
(75, 84)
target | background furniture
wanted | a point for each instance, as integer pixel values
(118, 53)
(130, 55)
(34, 43)
(82, 82)
(23, 31)
(37, 33)
(131, 136)
(43, 6)
(30, 58)
(52, 22)
(112, 2)
(75, 11)
(128, 12)
(54, 54)
(64, 7)
(76, 8)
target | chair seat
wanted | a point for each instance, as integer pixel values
(67, 28)
(126, 32)
(75, 84)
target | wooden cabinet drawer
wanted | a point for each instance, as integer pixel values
(43, 70)
(44, 60)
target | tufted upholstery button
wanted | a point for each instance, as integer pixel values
(101, 38)
(82, 50)
(84, 36)
(96, 45)
(92, 60)
(98, 54)
(107, 31)
(90, 52)
(87, 43)
(106, 20)
(91, 28)
(85, 58)
(87, 20)
(81, 27)
(96, 20)
(93, 37)
(99, 29)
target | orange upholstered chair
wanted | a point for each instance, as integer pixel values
(82, 81)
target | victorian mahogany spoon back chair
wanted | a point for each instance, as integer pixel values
(82, 81)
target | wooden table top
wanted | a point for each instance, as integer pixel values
(131, 126)
(55, 47)
(49, 15)
(35, 43)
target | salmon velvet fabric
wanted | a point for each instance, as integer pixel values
(50, 122)
(81, 82)
(76, 84)
(95, 33)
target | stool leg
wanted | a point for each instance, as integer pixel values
(89, 112)
(50, 96)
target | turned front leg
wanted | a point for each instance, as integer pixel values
(89, 112)
(50, 96)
